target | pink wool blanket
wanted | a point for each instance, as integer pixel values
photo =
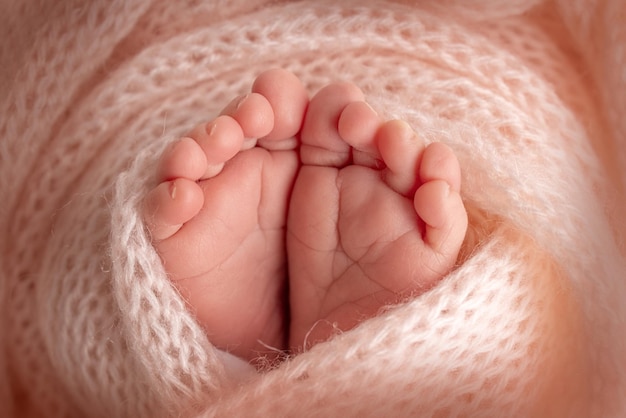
(530, 94)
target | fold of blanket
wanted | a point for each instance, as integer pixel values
(529, 94)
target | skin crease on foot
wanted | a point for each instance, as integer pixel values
(329, 189)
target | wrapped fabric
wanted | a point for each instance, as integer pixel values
(530, 95)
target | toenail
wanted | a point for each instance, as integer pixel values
(371, 108)
(241, 100)
(173, 190)
(212, 129)
(405, 126)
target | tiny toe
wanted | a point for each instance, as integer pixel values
(358, 125)
(321, 142)
(401, 150)
(442, 210)
(168, 206)
(254, 114)
(184, 158)
(288, 100)
(440, 163)
(438, 202)
(220, 140)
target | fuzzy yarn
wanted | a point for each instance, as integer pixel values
(530, 94)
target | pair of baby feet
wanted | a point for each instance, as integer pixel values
(283, 220)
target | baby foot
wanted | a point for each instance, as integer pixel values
(375, 216)
(217, 217)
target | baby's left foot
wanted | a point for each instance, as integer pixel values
(218, 213)
(375, 216)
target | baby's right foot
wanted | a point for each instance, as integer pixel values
(375, 216)
(217, 217)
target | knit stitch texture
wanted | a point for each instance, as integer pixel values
(531, 96)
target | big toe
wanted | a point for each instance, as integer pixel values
(289, 100)
(321, 142)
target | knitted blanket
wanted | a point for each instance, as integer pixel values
(530, 95)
